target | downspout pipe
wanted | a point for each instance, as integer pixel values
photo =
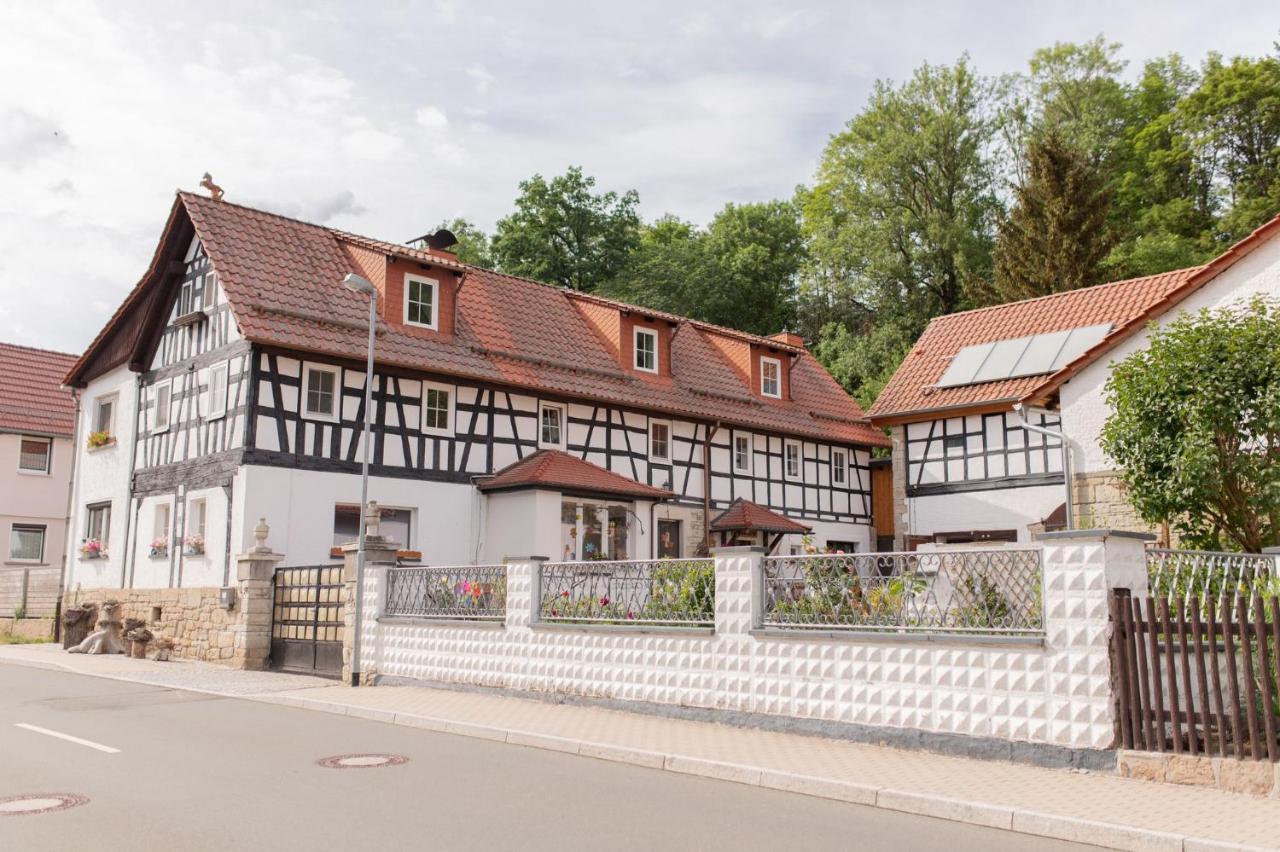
(68, 534)
(1021, 411)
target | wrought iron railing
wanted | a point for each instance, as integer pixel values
(995, 592)
(666, 592)
(477, 592)
(1206, 575)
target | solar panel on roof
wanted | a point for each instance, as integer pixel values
(1016, 357)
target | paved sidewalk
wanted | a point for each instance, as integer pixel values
(1100, 809)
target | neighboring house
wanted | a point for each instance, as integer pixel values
(37, 417)
(966, 467)
(511, 417)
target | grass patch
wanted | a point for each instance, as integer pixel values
(11, 639)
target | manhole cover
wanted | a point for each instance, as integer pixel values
(361, 761)
(39, 803)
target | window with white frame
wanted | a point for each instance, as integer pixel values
(197, 513)
(34, 454)
(839, 466)
(163, 400)
(741, 453)
(659, 440)
(771, 377)
(421, 301)
(219, 376)
(551, 426)
(791, 460)
(437, 408)
(98, 523)
(160, 530)
(321, 393)
(26, 543)
(646, 350)
(104, 415)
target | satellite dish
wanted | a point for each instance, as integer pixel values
(441, 239)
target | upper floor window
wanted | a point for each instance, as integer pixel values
(320, 393)
(421, 302)
(104, 415)
(659, 440)
(771, 377)
(164, 398)
(646, 350)
(34, 455)
(742, 453)
(437, 408)
(839, 466)
(26, 543)
(98, 525)
(791, 460)
(197, 514)
(219, 375)
(551, 426)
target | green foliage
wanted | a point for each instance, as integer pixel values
(862, 362)
(680, 592)
(563, 232)
(473, 244)
(1195, 427)
(1056, 237)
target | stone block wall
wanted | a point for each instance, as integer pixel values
(201, 629)
(1100, 503)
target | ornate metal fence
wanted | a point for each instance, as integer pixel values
(667, 592)
(994, 592)
(1205, 575)
(476, 592)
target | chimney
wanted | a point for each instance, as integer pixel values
(788, 337)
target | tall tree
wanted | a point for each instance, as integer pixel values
(667, 268)
(473, 244)
(565, 233)
(1056, 236)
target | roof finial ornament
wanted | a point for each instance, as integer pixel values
(215, 191)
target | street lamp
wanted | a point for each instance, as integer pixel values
(356, 284)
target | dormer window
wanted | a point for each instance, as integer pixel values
(646, 350)
(771, 377)
(421, 302)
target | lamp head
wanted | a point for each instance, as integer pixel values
(356, 284)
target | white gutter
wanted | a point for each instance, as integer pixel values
(1066, 456)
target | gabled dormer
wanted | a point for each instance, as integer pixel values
(640, 340)
(417, 290)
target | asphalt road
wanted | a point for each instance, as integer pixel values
(199, 772)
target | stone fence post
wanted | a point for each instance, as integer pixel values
(378, 551)
(739, 610)
(523, 607)
(1081, 570)
(251, 628)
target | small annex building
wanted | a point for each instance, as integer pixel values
(982, 405)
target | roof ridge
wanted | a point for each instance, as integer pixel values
(185, 194)
(39, 349)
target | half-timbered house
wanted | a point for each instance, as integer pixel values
(229, 387)
(982, 406)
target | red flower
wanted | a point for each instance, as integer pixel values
(565, 593)
(604, 601)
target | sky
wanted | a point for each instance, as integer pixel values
(389, 118)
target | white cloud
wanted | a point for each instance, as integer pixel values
(432, 117)
(481, 77)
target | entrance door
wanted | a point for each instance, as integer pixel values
(306, 620)
(668, 539)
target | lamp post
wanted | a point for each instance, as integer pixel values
(356, 284)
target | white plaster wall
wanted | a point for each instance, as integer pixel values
(996, 509)
(1084, 408)
(103, 475)
(1057, 692)
(298, 507)
(520, 524)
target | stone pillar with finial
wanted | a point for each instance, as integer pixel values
(380, 553)
(255, 573)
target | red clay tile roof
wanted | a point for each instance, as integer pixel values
(1128, 305)
(282, 277)
(31, 396)
(743, 515)
(559, 470)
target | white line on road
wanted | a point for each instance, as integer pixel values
(67, 737)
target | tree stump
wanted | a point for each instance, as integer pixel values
(77, 621)
(106, 639)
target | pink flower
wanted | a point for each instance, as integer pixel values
(630, 614)
(466, 587)
(604, 601)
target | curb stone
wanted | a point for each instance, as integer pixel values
(1035, 823)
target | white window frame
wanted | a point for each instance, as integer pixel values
(44, 541)
(158, 530)
(670, 436)
(217, 403)
(434, 284)
(98, 402)
(777, 364)
(48, 456)
(733, 451)
(787, 446)
(448, 429)
(564, 425)
(156, 426)
(336, 372)
(652, 334)
(839, 472)
(192, 504)
(104, 537)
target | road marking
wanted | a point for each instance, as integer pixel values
(67, 737)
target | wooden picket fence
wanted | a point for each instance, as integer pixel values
(1200, 677)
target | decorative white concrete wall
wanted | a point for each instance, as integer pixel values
(1055, 692)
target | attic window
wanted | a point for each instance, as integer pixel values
(771, 377)
(421, 302)
(646, 350)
